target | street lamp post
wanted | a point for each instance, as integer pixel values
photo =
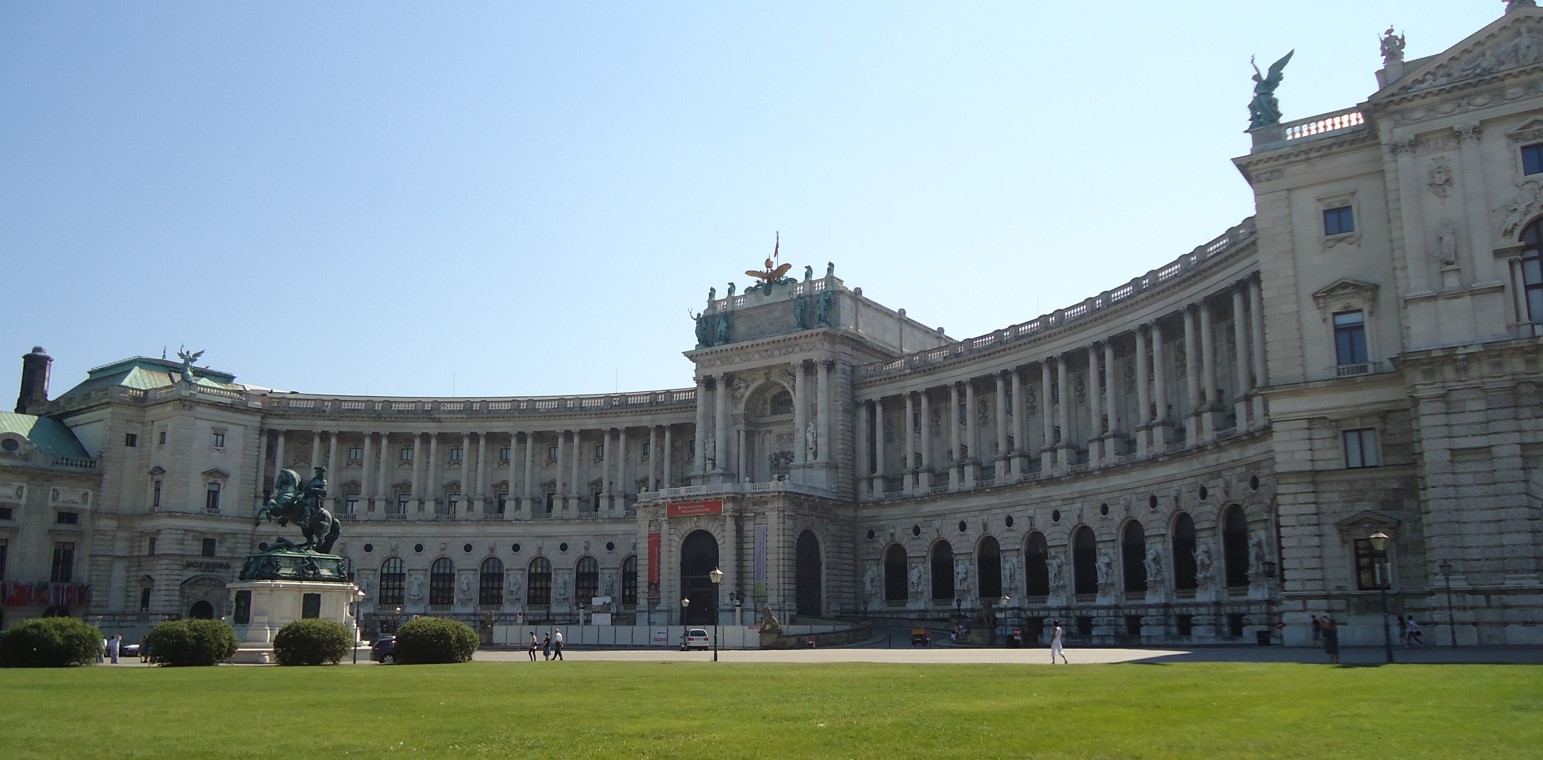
(684, 603)
(1446, 575)
(1380, 546)
(358, 600)
(716, 576)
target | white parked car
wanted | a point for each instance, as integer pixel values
(697, 638)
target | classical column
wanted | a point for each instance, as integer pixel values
(699, 441)
(822, 444)
(862, 472)
(367, 488)
(333, 469)
(907, 462)
(278, 459)
(1143, 426)
(1480, 244)
(417, 482)
(721, 402)
(972, 437)
(1020, 445)
(1160, 421)
(513, 502)
(1064, 417)
(925, 476)
(605, 470)
(572, 502)
(1191, 377)
(1208, 368)
(560, 497)
(1046, 424)
(1095, 409)
(315, 454)
(489, 501)
(955, 455)
(668, 468)
(1256, 346)
(800, 412)
(262, 464)
(878, 447)
(527, 486)
(1111, 403)
(653, 458)
(468, 493)
(1240, 357)
(1004, 455)
(382, 484)
(432, 472)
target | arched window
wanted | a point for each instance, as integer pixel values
(1184, 552)
(629, 581)
(538, 583)
(1235, 545)
(1532, 270)
(442, 583)
(393, 579)
(895, 569)
(1084, 562)
(942, 570)
(586, 580)
(988, 568)
(490, 586)
(1133, 552)
(1036, 568)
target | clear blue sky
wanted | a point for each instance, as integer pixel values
(525, 199)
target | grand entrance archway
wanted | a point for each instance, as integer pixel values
(807, 574)
(698, 557)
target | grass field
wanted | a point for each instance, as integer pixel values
(706, 710)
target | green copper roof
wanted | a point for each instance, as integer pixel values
(46, 434)
(144, 373)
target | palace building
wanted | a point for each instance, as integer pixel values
(1196, 455)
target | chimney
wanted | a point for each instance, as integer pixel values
(35, 368)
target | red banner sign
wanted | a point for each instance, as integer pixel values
(653, 564)
(690, 508)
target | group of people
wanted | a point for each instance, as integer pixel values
(551, 645)
(1326, 634)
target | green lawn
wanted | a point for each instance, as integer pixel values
(711, 711)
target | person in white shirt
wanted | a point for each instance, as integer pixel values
(1414, 634)
(1057, 642)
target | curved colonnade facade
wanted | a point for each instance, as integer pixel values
(1199, 454)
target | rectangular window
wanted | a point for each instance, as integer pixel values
(1532, 283)
(407, 454)
(600, 451)
(1361, 448)
(155, 499)
(503, 502)
(455, 454)
(401, 503)
(212, 498)
(551, 453)
(5, 513)
(217, 439)
(130, 440)
(1338, 221)
(1366, 575)
(355, 454)
(648, 450)
(209, 547)
(351, 504)
(1350, 338)
(67, 518)
(150, 546)
(1532, 159)
(63, 569)
(551, 499)
(504, 453)
(161, 441)
(454, 500)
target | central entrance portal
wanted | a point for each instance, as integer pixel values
(698, 557)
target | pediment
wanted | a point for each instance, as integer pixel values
(216, 473)
(1346, 289)
(1512, 42)
(1529, 131)
(1366, 521)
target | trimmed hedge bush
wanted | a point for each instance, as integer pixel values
(191, 642)
(430, 640)
(312, 642)
(55, 642)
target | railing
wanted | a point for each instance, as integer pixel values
(1350, 370)
(1224, 244)
(471, 407)
(80, 463)
(1321, 125)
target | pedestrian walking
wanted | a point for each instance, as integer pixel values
(534, 645)
(546, 647)
(1331, 639)
(1317, 631)
(1057, 642)
(115, 644)
(557, 644)
(1414, 633)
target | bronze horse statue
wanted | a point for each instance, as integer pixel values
(293, 503)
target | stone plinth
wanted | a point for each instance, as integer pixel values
(261, 608)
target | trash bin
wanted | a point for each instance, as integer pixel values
(1263, 637)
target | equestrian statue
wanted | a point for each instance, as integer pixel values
(293, 503)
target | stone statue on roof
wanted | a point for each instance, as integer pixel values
(1264, 109)
(187, 362)
(1392, 46)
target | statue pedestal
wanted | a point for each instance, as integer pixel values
(280, 586)
(263, 607)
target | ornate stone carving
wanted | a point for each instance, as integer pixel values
(1438, 176)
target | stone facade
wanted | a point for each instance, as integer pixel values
(1196, 455)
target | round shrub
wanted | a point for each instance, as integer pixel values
(429, 640)
(312, 642)
(191, 642)
(55, 642)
